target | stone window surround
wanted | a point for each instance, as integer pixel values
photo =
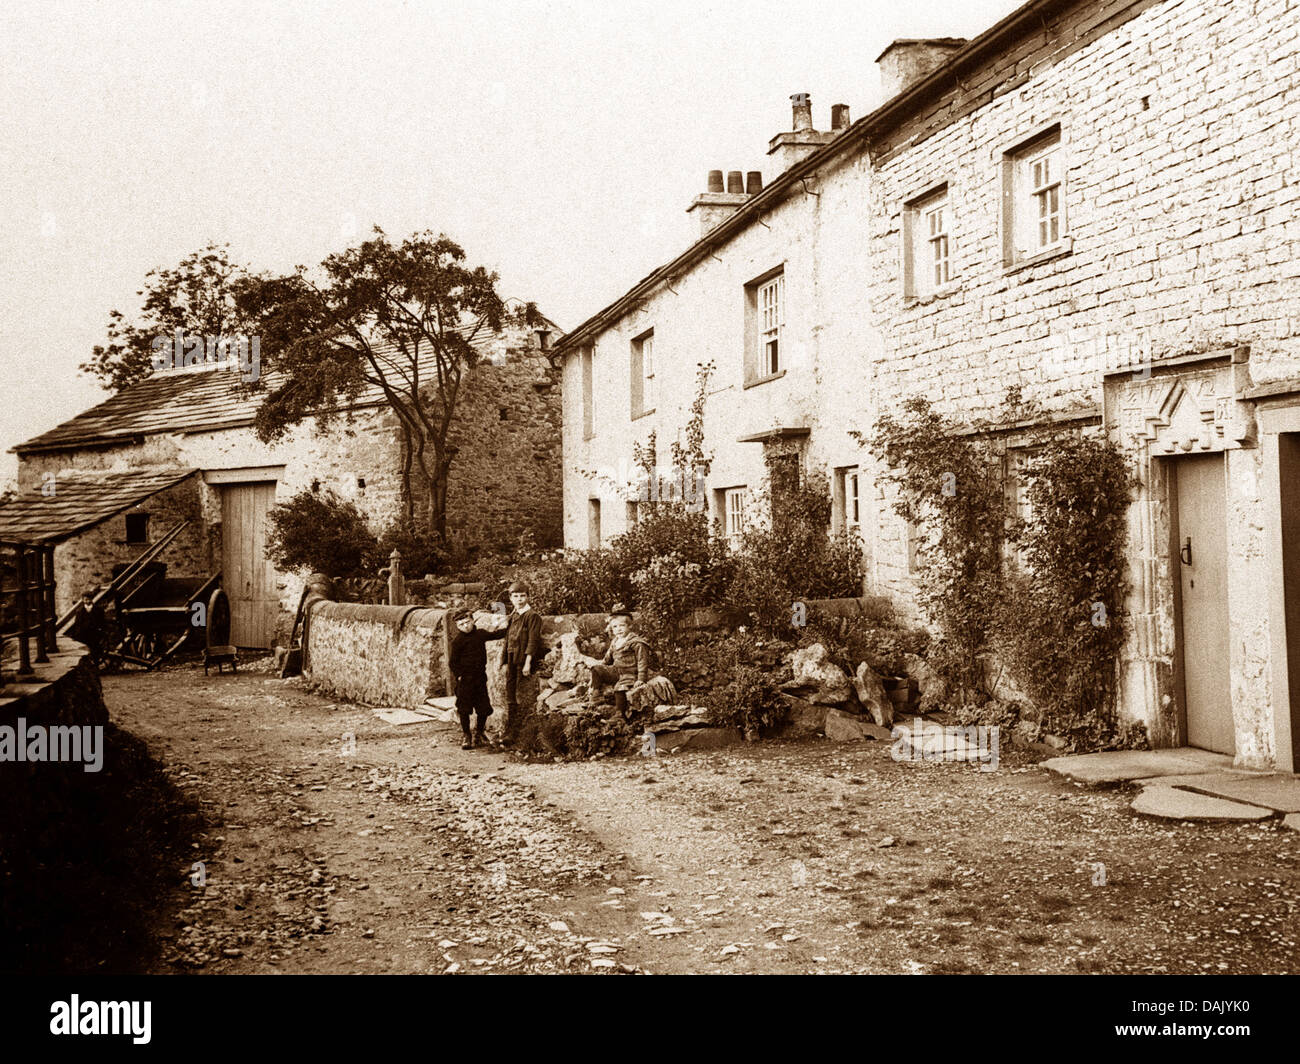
(1011, 158)
(912, 213)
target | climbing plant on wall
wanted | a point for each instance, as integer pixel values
(1056, 620)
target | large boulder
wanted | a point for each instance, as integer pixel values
(673, 718)
(928, 682)
(818, 679)
(568, 664)
(998, 682)
(844, 727)
(871, 693)
(804, 718)
(697, 739)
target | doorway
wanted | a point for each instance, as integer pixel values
(248, 578)
(1200, 558)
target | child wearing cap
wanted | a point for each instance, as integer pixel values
(626, 664)
(468, 664)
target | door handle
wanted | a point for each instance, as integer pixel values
(1185, 553)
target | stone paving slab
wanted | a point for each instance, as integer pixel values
(1110, 767)
(1173, 803)
(1277, 792)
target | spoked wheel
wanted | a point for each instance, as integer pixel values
(218, 651)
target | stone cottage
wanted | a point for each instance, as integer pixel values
(1094, 200)
(179, 446)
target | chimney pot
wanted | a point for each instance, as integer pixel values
(840, 116)
(715, 181)
(735, 181)
(802, 110)
(754, 182)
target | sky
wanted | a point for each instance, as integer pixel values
(559, 143)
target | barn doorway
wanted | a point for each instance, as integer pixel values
(248, 578)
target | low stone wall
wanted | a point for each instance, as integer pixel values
(383, 655)
(64, 692)
(397, 655)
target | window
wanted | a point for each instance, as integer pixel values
(1034, 221)
(593, 523)
(137, 528)
(733, 512)
(633, 513)
(927, 250)
(588, 394)
(1045, 188)
(764, 326)
(771, 297)
(846, 502)
(643, 374)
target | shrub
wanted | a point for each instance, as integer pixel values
(423, 550)
(950, 484)
(793, 557)
(317, 532)
(667, 590)
(750, 701)
(745, 694)
(1062, 627)
(851, 640)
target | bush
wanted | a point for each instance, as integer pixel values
(571, 581)
(668, 589)
(851, 640)
(1062, 622)
(793, 557)
(422, 550)
(745, 694)
(317, 532)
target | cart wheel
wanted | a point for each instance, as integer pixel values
(218, 629)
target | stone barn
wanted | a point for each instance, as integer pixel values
(179, 445)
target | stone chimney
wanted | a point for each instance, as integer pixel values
(715, 206)
(907, 61)
(786, 149)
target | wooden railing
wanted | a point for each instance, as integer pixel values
(27, 602)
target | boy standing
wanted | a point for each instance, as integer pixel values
(523, 648)
(468, 664)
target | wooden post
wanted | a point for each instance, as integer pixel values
(24, 649)
(47, 558)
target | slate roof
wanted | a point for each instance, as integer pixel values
(80, 500)
(189, 400)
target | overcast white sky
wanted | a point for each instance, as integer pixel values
(559, 141)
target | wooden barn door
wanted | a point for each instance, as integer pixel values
(249, 579)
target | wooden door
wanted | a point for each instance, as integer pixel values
(248, 578)
(1201, 560)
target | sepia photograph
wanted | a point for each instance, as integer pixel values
(649, 487)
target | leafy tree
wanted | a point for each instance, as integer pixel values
(318, 532)
(401, 318)
(198, 296)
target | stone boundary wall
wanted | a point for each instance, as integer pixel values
(382, 655)
(397, 655)
(65, 692)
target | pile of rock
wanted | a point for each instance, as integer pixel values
(824, 699)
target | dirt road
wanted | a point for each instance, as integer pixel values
(340, 843)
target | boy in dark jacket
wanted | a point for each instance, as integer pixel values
(523, 647)
(468, 664)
